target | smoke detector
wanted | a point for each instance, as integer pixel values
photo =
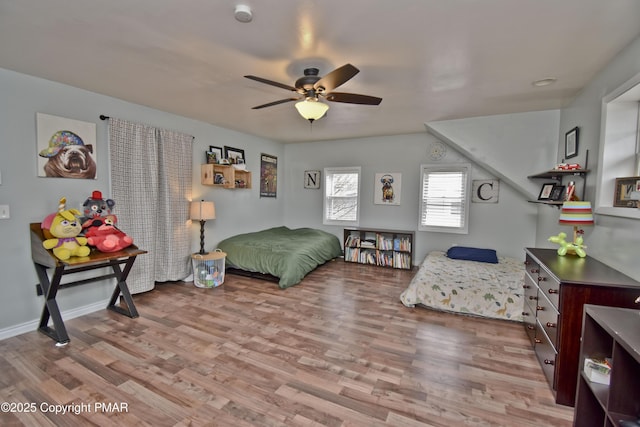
(243, 13)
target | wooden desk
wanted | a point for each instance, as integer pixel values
(44, 259)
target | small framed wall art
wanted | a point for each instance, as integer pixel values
(66, 148)
(214, 155)
(626, 190)
(485, 191)
(312, 179)
(571, 143)
(233, 154)
(557, 193)
(388, 188)
(545, 191)
(268, 175)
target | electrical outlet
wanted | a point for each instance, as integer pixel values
(4, 212)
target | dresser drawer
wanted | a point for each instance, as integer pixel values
(546, 355)
(549, 286)
(548, 319)
(530, 289)
(532, 268)
(529, 321)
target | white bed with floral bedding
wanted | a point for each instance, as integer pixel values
(468, 287)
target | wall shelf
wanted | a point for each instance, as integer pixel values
(559, 175)
(231, 177)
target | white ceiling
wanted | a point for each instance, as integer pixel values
(428, 59)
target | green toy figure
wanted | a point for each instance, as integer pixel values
(565, 247)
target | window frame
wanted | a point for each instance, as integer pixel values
(328, 173)
(449, 167)
(618, 110)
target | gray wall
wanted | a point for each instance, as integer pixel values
(507, 226)
(31, 198)
(613, 240)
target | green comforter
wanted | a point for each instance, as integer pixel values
(282, 252)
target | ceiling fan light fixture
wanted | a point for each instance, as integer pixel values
(311, 109)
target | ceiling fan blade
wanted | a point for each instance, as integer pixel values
(336, 78)
(271, 104)
(353, 98)
(272, 83)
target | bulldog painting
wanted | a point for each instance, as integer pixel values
(68, 157)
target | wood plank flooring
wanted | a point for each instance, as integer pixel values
(339, 349)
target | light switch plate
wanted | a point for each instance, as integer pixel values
(4, 212)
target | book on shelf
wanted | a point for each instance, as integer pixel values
(598, 370)
(402, 244)
(384, 242)
(353, 240)
(368, 243)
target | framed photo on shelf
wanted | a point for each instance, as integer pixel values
(214, 155)
(557, 193)
(233, 154)
(545, 191)
(571, 143)
(624, 187)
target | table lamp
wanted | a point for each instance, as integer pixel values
(202, 211)
(577, 214)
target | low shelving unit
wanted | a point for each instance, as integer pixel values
(612, 333)
(384, 248)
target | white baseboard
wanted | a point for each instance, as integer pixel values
(32, 325)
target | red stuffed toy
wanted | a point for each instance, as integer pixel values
(107, 237)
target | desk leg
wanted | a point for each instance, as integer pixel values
(122, 288)
(50, 309)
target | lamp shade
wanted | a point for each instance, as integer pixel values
(311, 109)
(576, 213)
(202, 211)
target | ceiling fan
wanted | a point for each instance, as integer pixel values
(313, 87)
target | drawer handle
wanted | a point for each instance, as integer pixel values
(541, 279)
(533, 270)
(530, 327)
(524, 313)
(537, 340)
(551, 325)
(540, 308)
(526, 286)
(548, 362)
(531, 297)
(553, 291)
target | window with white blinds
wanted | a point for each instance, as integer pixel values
(444, 204)
(341, 196)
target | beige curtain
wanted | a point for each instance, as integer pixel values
(151, 175)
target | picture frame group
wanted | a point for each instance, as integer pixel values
(225, 155)
(551, 192)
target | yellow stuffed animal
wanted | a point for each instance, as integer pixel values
(64, 227)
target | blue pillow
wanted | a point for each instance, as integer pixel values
(473, 254)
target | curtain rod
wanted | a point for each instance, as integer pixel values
(103, 117)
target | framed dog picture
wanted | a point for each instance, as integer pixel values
(387, 188)
(66, 148)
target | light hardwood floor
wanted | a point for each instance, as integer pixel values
(339, 349)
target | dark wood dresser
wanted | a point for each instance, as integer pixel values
(556, 289)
